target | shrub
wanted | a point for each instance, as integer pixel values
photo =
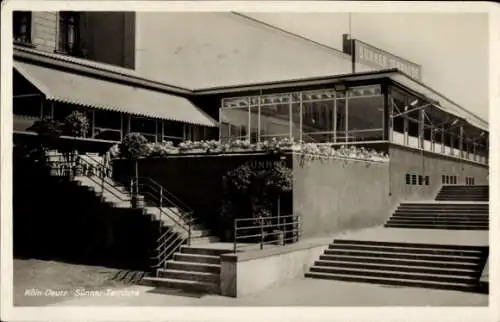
(76, 124)
(134, 146)
(48, 131)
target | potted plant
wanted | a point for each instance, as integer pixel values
(133, 147)
(48, 132)
(75, 125)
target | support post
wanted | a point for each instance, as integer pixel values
(258, 119)
(421, 120)
(121, 126)
(346, 117)
(93, 124)
(261, 232)
(301, 108)
(249, 128)
(335, 118)
(290, 116)
(387, 115)
(442, 140)
(461, 142)
(405, 126)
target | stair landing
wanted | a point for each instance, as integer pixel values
(420, 236)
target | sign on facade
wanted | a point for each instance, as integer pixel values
(364, 53)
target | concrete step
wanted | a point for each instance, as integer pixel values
(204, 240)
(402, 249)
(395, 274)
(197, 258)
(409, 245)
(204, 251)
(459, 286)
(185, 285)
(388, 261)
(449, 209)
(444, 213)
(193, 266)
(446, 205)
(443, 216)
(398, 268)
(427, 221)
(203, 277)
(444, 227)
(402, 255)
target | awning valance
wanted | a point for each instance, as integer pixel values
(73, 88)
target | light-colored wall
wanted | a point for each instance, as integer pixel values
(44, 30)
(250, 272)
(404, 160)
(336, 195)
(208, 49)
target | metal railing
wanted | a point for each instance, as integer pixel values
(94, 171)
(177, 214)
(261, 231)
(170, 208)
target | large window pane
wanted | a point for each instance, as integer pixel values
(365, 114)
(274, 121)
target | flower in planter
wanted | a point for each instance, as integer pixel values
(114, 151)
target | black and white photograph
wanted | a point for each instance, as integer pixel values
(242, 157)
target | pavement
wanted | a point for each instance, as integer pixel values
(298, 292)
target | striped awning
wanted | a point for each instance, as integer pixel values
(62, 86)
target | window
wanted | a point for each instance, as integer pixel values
(69, 31)
(22, 26)
(447, 180)
(427, 180)
(408, 179)
(414, 179)
(443, 179)
(420, 180)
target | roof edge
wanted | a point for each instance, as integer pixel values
(38, 57)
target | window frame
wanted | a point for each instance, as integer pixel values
(63, 32)
(17, 17)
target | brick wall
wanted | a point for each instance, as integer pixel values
(44, 30)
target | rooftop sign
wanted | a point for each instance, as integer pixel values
(364, 53)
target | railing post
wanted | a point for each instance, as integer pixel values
(102, 185)
(161, 197)
(261, 232)
(189, 231)
(235, 225)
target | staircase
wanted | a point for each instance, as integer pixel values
(399, 261)
(176, 226)
(192, 269)
(463, 193)
(441, 215)
(404, 264)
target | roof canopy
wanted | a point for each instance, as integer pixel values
(62, 86)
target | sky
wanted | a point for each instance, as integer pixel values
(452, 48)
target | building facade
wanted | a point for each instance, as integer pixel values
(193, 84)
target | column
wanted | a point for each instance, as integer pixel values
(421, 121)
(461, 141)
(300, 116)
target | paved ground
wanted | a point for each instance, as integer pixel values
(300, 292)
(44, 282)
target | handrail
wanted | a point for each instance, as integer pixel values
(169, 241)
(104, 183)
(180, 203)
(262, 237)
(158, 197)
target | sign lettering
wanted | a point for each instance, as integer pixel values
(375, 57)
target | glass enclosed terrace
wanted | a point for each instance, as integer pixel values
(346, 115)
